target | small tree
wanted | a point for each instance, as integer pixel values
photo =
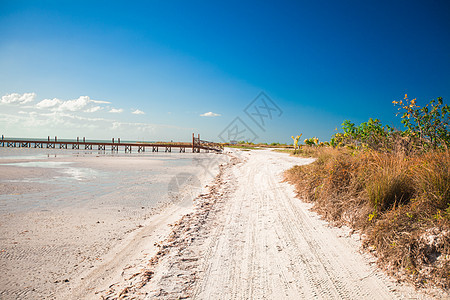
(429, 124)
(371, 134)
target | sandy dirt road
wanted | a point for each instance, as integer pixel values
(250, 238)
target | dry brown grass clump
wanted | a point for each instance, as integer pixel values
(400, 203)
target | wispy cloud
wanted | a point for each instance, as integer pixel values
(100, 101)
(210, 114)
(20, 116)
(116, 110)
(16, 98)
(66, 122)
(138, 112)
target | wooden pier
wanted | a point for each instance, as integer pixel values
(197, 145)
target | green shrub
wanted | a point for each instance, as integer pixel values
(429, 124)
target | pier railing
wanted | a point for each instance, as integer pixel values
(78, 144)
(198, 144)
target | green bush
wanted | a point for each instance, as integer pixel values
(425, 128)
(429, 125)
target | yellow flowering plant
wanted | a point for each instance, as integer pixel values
(296, 146)
(312, 141)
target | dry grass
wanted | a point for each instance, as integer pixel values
(401, 204)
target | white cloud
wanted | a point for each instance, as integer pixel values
(100, 102)
(210, 114)
(116, 111)
(93, 109)
(70, 117)
(74, 105)
(83, 103)
(116, 125)
(16, 98)
(138, 112)
(47, 103)
(69, 125)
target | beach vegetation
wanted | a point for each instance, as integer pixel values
(296, 145)
(393, 186)
(250, 145)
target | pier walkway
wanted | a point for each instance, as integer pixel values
(196, 146)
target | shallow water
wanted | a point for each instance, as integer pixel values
(77, 178)
(63, 211)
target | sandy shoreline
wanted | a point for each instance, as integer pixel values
(244, 236)
(59, 225)
(250, 238)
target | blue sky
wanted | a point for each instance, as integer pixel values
(149, 70)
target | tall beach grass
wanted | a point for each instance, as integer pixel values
(399, 202)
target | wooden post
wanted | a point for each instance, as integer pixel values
(78, 139)
(193, 140)
(48, 139)
(113, 140)
(56, 138)
(118, 140)
(84, 140)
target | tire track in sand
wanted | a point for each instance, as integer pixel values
(257, 241)
(272, 247)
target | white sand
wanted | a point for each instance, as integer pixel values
(246, 237)
(68, 229)
(250, 238)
